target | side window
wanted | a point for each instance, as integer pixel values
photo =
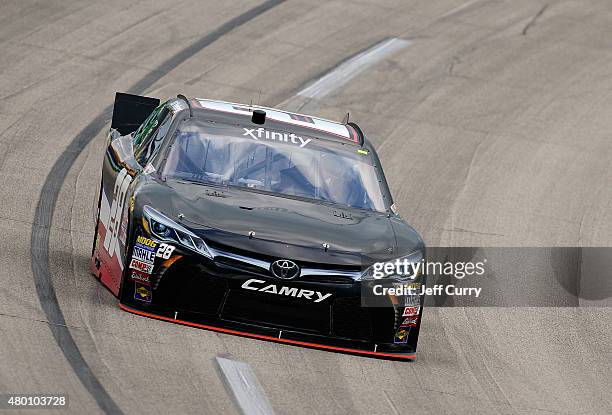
(146, 126)
(151, 139)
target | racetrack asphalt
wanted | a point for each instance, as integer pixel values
(492, 124)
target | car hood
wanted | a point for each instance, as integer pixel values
(282, 227)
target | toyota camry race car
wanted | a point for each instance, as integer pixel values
(253, 221)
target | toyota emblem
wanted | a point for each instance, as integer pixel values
(285, 269)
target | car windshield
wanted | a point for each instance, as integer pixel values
(275, 162)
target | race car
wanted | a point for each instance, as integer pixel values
(254, 221)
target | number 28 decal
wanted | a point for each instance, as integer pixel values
(164, 251)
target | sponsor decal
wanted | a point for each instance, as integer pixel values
(263, 134)
(143, 254)
(342, 214)
(141, 266)
(412, 300)
(146, 242)
(411, 311)
(263, 286)
(303, 118)
(410, 322)
(164, 251)
(140, 277)
(214, 193)
(401, 336)
(363, 151)
(143, 293)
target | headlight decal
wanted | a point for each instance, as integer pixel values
(166, 229)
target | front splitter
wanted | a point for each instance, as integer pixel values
(385, 355)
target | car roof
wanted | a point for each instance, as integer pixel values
(277, 119)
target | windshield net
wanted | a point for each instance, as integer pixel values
(275, 162)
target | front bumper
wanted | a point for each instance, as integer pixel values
(210, 294)
(278, 336)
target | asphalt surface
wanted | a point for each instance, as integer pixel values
(494, 129)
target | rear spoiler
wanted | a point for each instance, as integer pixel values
(130, 111)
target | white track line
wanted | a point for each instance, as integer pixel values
(459, 8)
(248, 393)
(352, 67)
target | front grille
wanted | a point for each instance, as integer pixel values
(188, 287)
(350, 319)
(191, 286)
(274, 311)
